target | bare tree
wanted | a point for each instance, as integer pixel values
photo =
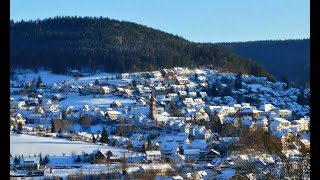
(124, 163)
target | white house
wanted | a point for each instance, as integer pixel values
(153, 155)
(278, 124)
(191, 155)
(303, 124)
(29, 163)
(285, 113)
(168, 149)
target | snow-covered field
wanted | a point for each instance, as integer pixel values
(30, 145)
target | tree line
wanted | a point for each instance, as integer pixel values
(288, 60)
(61, 43)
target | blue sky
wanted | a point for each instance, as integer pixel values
(195, 20)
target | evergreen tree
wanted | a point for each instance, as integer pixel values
(134, 83)
(96, 82)
(104, 136)
(41, 159)
(39, 81)
(52, 127)
(64, 115)
(227, 91)
(301, 99)
(78, 160)
(16, 160)
(238, 82)
(33, 83)
(46, 159)
(93, 138)
(214, 90)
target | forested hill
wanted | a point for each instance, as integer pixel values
(116, 46)
(286, 59)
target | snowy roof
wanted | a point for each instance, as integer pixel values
(30, 160)
(196, 144)
(153, 153)
(191, 151)
(249, 110)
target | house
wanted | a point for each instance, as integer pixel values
(46, 102)
(167, 73)
(161, 120)
(267, 107)
(50, 108)
(303, 124)
(200, 132)
(176, 88)
(182, 94)
(18, 105)
(33, 101)
(202, 115)
(203, 95)
(57, 97)
(119, 91)
(104, 90)
(72, 117)
(127, 93)
(250, 112)
(208, 155)
(39, 110)
(116, 104)
(244, 162)
(19, 118)
(182, 80)
(248, 122)
(262, 122)
(56, 115)
(141, 102)
(56, 88)
(160, 89)
(285, 113)
(34, 118)
(100, 157)
(119, 141)
(137, 145)
(180, 138)
(168, 149)
(196, 144)
(155, 80)
(192, 94)
(191, 155)
(173, 96)
(29, 163)
(113, 115)
(278, 124)
(305, 144)
(153, 155)
(188, 102)
(156, 74)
